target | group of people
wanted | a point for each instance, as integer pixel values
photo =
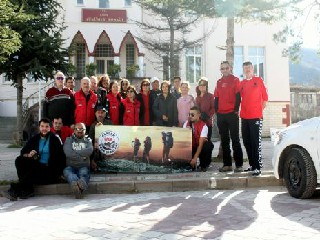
(67, 149)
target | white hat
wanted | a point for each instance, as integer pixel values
(154, 79)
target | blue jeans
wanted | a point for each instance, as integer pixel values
(73, 174)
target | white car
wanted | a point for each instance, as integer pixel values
(296, 157)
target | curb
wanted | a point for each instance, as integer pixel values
(106, 184)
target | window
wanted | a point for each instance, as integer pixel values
(104, 4)
(104, 50)
(306, 98)
(256, 56)
(79, 2)
(129, 55)
(81, 60)
(193, 63)
(127, 3)
(238, 61)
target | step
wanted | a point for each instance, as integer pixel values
(127, 183)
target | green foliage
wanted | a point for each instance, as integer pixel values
(113, 70)
(10, 40)
(91, 69)
(131, 70)
(71, 69)
(40, 53)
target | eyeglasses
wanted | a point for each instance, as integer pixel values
(226, 68)
(202, 85)
(191, 114)
(124, 84)
(59, 78)
(130, 91)
(146, 85)
(80, 129)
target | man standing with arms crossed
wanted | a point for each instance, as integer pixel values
(254, 99)
(226, 102)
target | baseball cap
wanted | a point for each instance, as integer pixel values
(101, 108)
(154, 79)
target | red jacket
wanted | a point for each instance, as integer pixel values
(196, 132)
(114, 107)
(226, 90)
(253, 94)
(64, 133)
(206, 105)
(131, 111)
(84, 111)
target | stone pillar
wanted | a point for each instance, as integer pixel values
(141, 67)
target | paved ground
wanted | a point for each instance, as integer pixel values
(8, 155)
(232, 214)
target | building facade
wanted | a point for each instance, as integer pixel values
(104, 32)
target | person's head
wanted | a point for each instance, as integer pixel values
(248, 70)
(145, 85)
(184, 87)
(155, 83)
(124, 83)
(194, 114)
(225, 68)
(79, 130)
(131, 92)
(44, 126)
(85, 85)
(176, 83)
(70, 83)
(57, 123)
(104, 82)
(203, 84)
(165, 87)
(101, 113)
(59, 79)
(93, 83)
(114, 87)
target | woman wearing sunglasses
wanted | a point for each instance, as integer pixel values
(124, 84)
(146, 102)
(130, 108)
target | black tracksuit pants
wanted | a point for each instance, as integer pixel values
(205, 154)
(251, 134)
(228, 125)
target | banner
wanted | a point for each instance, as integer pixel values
(143, 148)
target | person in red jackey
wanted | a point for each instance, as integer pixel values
(58, 129)
(130, 108)
(146, 103)
(114, 98)
(205, 101)
(254, 99)
(85, 102)
(226, 102)
(201, 147)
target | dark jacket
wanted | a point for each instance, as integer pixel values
(206, 105)
(166, 106)
(57, 159)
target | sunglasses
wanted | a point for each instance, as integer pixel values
(124, 84)
(226, 68)
(146, 85)
(191, 114)
(130, 91)
(80, 129)
(202, 85)
(59, 78)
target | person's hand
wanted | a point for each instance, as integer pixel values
(164, 118)
(99, 124)
(193, 162)
(32, 153)
(96, 145)
(72, 126)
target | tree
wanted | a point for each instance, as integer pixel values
(171, 23)
(10, 41)
(40, 53)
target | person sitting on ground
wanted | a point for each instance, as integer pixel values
(78, 149)
(41, 162)
(201, 147)
(59, 130)
(101, 119)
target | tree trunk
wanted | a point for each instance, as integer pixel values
(230, 41)
(171, 54)
(19, 133)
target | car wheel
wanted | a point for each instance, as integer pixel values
(300, 174)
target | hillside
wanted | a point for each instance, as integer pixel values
(307, 71)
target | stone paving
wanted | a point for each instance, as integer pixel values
(268, 213)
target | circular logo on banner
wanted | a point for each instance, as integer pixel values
(108, 142)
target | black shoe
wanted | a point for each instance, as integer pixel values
(256, 172)
(10, 194)
(26, 194)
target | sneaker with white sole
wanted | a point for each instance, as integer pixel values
(256, 172)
